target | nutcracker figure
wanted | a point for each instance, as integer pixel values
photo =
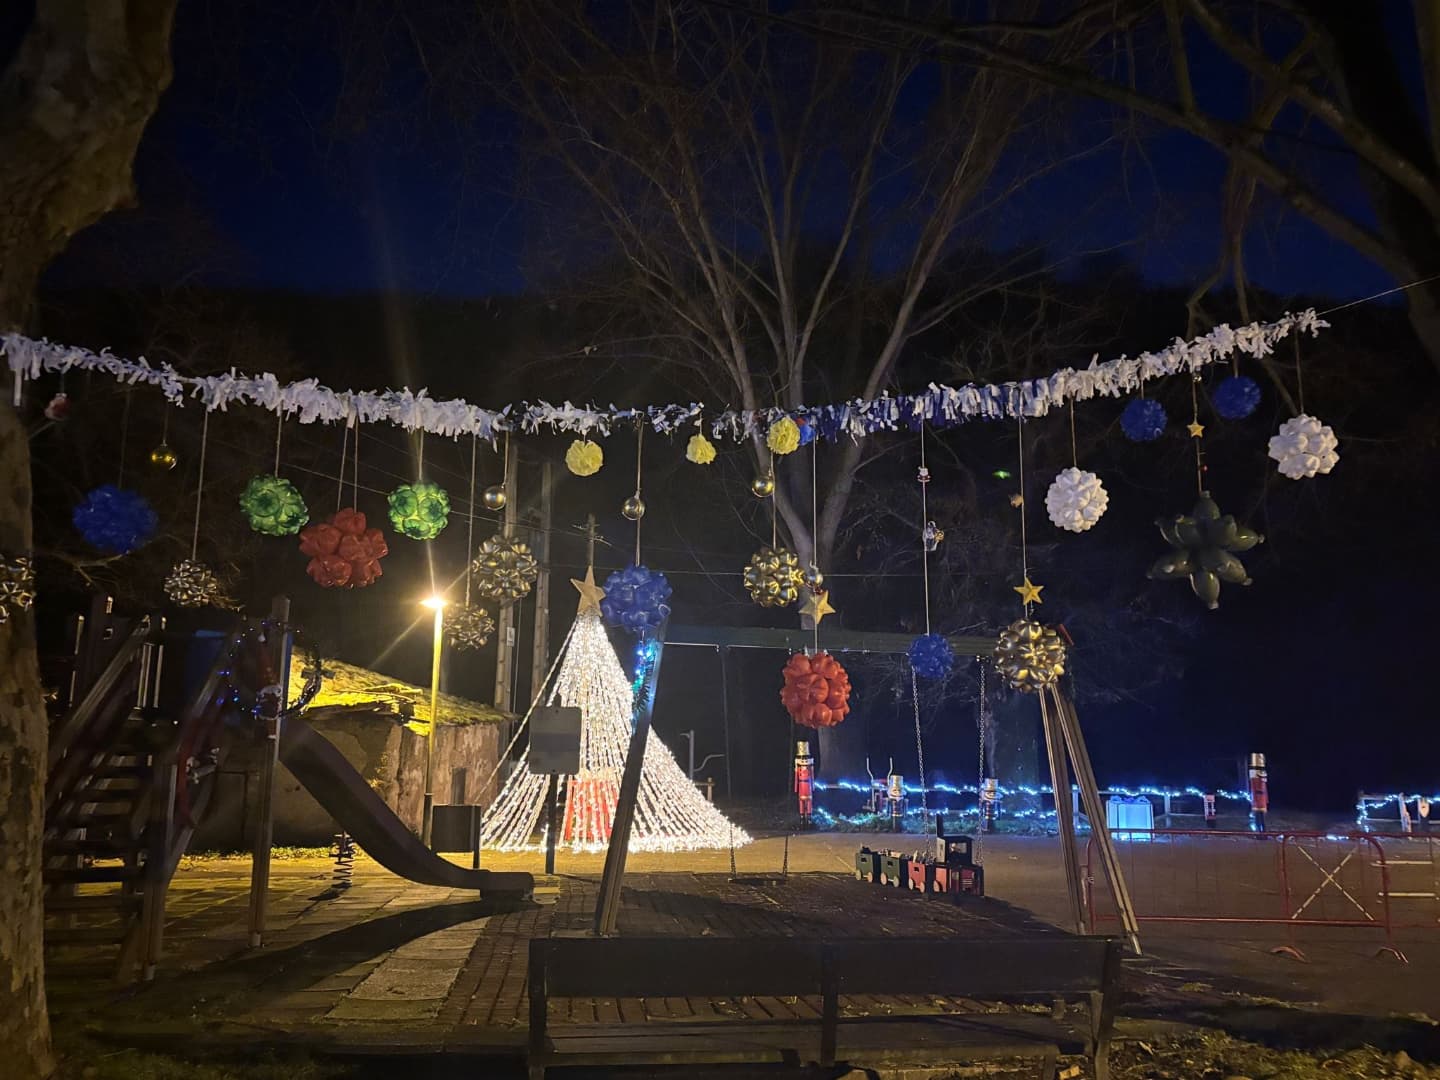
(804, 781)
(1259, 792)
(1209, 810)
(895, 796)
(989, 795)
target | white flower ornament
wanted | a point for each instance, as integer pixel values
(1304, 447)
(1076, 500)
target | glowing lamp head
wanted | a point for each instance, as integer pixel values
(434, 603)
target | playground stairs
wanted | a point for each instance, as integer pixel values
(133, 758)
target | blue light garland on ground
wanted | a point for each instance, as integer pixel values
(971, 789)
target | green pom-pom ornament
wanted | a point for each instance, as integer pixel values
(419, 511)
(274, 506)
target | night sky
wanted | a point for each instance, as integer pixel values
(250, 149)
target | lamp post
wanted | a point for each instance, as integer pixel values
(427, 813)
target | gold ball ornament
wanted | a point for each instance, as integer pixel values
(494, 498)
(762, 487)
(773, 577)
(634, 507)
(162, 458)
(1030, 656)
(192, 584)
(504, 569)
(17, 585)
(468, 627)
(814, 579)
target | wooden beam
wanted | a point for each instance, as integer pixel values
(767, 637)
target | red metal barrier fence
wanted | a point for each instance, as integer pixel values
(1413, 860)
(1284, 880)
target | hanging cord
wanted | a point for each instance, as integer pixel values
(639, 446)
(125, 435)
(1074, 453)
(814, 530)
(340, 480)
(980, 784)
(1299, 379)
(355, 474)
(1024, 542)
(919, 746)
(470, 519)
(279, 428)
(200, 485)
(1196, 439)
(420, 458)
(924, 550)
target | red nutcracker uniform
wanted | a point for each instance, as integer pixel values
(804, 781)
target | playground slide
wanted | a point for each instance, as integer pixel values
(345, 795)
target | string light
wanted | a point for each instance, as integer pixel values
(972, 789)
(1373, 801)
(670, 812)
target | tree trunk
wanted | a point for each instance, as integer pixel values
(73, 104)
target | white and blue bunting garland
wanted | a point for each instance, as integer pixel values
(941, 406)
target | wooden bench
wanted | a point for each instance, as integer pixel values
(1048, 970)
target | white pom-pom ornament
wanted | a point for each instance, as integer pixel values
(1076, 500)
(1304, 447)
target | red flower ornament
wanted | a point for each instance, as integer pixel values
(817, 690)
(344, 553)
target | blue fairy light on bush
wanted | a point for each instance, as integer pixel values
(636, 599)
(115, 519)
(1236, 397)
(1143, 420)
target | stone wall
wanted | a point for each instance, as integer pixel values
(389, 756)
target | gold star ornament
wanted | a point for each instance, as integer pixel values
(815, 608)
(1029, 592)
(590, 593)
(1195, 428)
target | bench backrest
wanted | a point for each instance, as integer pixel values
(773, 967)
(677, 967)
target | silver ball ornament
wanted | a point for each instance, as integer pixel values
(634, 507)
(494, 497)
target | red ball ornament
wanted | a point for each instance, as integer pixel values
(817, 690)
(344, 553)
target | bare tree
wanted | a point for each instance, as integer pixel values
(74, 100)
(1325, 94)
(784, 208)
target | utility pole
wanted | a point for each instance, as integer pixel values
(540, 645)
(505, 618)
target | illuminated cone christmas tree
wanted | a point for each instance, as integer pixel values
(670, 812)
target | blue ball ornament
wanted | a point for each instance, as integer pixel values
(115, 520)
(807, 430)
(636, 599)
(931, 656)
(1236, 397)
(1143, 420)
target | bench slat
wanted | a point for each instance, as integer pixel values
(988, 970)
(675, 967)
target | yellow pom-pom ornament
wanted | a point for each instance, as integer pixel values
(584, 457)
(783, 436)
(700, 450)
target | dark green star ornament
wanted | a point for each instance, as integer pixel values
(1205, 543)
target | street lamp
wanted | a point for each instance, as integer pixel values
(427, 813)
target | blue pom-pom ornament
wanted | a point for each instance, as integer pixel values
(1143, 420)
(636, 599)
(931, 656)
(115, 520)
(1236, 397)
(807, 430)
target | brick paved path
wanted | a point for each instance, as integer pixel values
(390, 961)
